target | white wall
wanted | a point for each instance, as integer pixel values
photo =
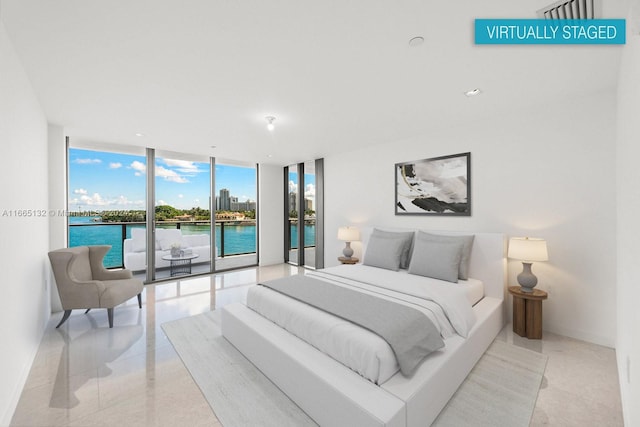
(270, 211)
(547, 173)
(24, 306)
(628, 211)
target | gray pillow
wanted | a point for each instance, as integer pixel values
(439, 260)
(467, 242)
(384, 252)
(407, 238)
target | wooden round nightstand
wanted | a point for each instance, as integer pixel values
(345, 260)
(527, 312)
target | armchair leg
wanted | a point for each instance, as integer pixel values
(65, 316)
(87, 311)
(140, 300)
(110, 316)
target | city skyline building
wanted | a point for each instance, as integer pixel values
(293, 202)
(225, 200)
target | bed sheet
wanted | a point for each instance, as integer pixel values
(357, 348)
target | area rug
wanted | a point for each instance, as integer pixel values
(501, 390)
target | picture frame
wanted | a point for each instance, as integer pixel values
(435, 186)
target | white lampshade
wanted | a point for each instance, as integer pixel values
(528, 249)
(348, 234)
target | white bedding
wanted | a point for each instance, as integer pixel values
(355, 347)
(472, 288)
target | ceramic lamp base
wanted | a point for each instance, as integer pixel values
(347, 251)
(527, 280)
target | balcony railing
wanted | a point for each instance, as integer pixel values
(232, 237)
(309, 233)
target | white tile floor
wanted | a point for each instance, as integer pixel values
(86, 374)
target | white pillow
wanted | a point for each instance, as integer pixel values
(167, 244)
(172, 234)
(138, 239)
(159, 236)
(165, 237)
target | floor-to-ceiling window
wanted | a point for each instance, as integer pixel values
(304, 230)
(236, 202)
(309, 214)
(182, 214)
(106, 201)
(134, 198)
(291, 214)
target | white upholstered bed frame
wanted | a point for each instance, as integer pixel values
(332, 394)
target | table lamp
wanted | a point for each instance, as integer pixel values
(348, 235)
(527, 250)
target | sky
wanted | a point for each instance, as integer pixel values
(309, 186)
(112, 181)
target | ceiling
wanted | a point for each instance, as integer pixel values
(337, 75)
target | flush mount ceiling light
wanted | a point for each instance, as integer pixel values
(139, 134)
(473, 92)
(416, 41)
(270, 120)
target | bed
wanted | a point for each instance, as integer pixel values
(333, 391)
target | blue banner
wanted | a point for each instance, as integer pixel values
(550, 31)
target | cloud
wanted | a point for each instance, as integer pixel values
(170, 175)
(161, 203)
(138, 167)
(80, 191)
(293, 187)
(180, 196)
(87, 161)
(94, 200)
(310, 191)
(116, 165)
(97, 201)
(123, 201)
(183, 166)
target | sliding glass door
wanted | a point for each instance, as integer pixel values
(182, 215)
(236, 191)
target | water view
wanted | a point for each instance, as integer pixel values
(238, 239)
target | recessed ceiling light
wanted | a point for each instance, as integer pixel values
(213, 146)
(139, 134)
(473, 92)
(416, 41)
(269, 155)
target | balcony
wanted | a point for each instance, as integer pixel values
(235, 240)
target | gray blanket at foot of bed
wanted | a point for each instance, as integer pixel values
(409, 332)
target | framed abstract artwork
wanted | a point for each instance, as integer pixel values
(437, 186)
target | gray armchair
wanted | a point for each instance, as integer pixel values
(84, 283)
